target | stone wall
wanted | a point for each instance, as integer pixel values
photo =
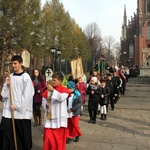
(145, 71)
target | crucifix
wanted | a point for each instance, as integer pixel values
(48, 72)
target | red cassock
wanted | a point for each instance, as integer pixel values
(55, 138)
(73, 129)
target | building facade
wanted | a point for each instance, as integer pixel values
(135, 38)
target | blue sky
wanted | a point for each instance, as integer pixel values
(107, 14)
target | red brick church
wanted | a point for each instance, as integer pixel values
(135, 38)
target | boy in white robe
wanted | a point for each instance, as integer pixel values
(55, 129)
(22, 98)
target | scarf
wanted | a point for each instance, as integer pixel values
(76, 94)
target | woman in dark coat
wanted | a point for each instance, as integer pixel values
(39, 87)
(94, 94)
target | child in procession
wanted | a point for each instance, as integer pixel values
(55, 129)
(74, 102)
(104, 97)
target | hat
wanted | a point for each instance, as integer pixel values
(102, 80)
(71, 85)
(94, 79)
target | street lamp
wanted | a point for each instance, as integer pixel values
(56, 53)
(124, 58)
(53, 50)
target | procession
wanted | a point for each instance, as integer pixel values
(63, 103)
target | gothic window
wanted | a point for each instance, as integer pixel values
(131, 50)
(148, 6)
(148, 31)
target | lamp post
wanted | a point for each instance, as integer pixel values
(53, 50)
(124, 58)
(56, 53)
(103, 66)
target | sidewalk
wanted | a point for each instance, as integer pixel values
(126, 128)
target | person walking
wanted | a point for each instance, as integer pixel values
(94, 94)
(22, 98)
(117, 82)
(81, 87)
(74, 102)
(39, 87)
(124, 78)
(110, 84)
(104, 96)
(55, 129)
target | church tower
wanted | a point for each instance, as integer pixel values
(124, 26)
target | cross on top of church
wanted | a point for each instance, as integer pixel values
(48, 72)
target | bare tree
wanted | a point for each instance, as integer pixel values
(93, 34)
(117, 49)
(109, 43)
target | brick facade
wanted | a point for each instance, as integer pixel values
(136, 33)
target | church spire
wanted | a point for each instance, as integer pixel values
(124, 25)
(125, 16)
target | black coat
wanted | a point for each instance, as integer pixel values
(111, 85)
(93, 98)
(104, 90)
(117, 84)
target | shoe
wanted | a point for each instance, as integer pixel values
(105, 117)
(68, 140)
(112, 109)
(90, 121)
(77, 139)
(35, 124)
(102, 116)
(94, 122)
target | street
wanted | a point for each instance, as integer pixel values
(126, 128)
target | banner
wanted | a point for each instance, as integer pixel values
(76, 68)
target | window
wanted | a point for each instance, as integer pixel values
(131, 50)
(148, 31)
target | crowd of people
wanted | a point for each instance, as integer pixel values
(105, 90)
(63, 104)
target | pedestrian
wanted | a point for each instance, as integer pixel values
(74, 102)
(117, 82)
(92, 74)
(124, 78)
(104, 96)
(111, 85)
(39, 87)
(94, 93)
(22, 98)
(55, 129)
(81, 87)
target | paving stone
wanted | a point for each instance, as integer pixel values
(126, 128)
